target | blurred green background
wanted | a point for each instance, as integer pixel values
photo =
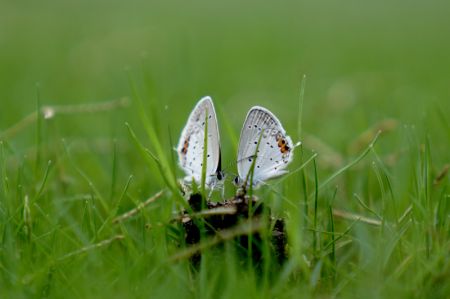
(368, 65)
(365, 60)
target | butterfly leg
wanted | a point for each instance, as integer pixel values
(211, 191)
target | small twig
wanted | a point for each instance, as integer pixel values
(405, 214)
(85, 108)
(49, 112)
(136, 210)
(27, 216)
(206, 213)
(91, 247)
(442, 174)
(352, 216)
(401, 268)
(324, 232)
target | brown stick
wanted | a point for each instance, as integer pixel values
(352, 216)
(49, 112)
(136, 210)
(91, 247)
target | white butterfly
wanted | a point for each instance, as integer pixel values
(191, 145)
(274, 152)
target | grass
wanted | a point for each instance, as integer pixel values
(88, 174)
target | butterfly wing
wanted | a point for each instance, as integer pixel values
(275, 149)
(191, 145)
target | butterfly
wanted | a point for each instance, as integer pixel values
(191, 145)
(263, 138)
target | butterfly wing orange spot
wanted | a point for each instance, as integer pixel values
(280, 140)
(284, 148)
(185, 147)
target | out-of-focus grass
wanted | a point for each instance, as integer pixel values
(381, 227)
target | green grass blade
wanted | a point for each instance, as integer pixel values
(351, 164)
(5, 180)
(204, 159)
(44, 181)
(83, 175)
(113, 171)
(300, 108)
(38, 130)
(150, 158)
(154, 139)
(316, 201)
(333, 242)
